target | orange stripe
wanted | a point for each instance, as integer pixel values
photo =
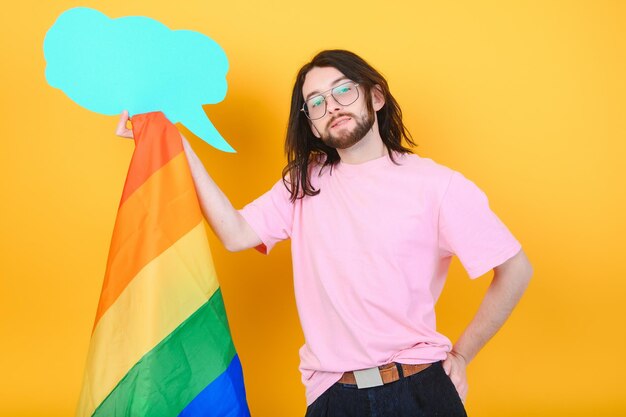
(157, 141)
(151, 220)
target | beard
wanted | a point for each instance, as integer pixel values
(343, 139)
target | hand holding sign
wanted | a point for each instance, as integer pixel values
(136, 63)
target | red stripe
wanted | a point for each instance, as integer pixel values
(150, 157)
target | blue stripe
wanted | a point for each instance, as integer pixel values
(224, 397)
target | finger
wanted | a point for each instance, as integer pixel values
(463, 393)
(460, 384)
(121, 129)
(456, 380)
(447, 366)
(460, 387)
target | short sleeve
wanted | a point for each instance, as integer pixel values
(471, 231)
(270, 216)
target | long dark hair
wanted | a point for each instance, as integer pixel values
(303, 148)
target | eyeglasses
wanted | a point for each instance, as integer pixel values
(345, 94)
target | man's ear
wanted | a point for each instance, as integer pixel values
(378, 98)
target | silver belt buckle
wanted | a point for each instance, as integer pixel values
(366, 378)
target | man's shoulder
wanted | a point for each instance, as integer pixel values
(426, 167)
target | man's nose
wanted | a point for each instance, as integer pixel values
(332, 105)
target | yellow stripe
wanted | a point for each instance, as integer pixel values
(162, 295)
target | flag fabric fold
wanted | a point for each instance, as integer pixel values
(161, 344)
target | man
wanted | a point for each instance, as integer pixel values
(373, 228)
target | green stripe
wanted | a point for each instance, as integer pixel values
(168, 377)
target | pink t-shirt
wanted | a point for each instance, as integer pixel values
(370, 257)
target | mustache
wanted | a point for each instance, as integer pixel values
(339, 115)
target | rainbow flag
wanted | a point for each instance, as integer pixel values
(161, 344)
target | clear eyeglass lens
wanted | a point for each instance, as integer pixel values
(345, 94)
(316, 107)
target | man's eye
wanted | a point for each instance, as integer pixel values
(342, 89)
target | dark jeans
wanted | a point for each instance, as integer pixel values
(427, 393)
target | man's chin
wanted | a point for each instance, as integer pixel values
(340, 143)
(344, 138)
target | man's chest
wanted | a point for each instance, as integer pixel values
(359, 218)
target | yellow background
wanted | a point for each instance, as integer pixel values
(525, 98)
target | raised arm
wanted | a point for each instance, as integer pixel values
(226, 222)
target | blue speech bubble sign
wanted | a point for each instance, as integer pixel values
(138, 64)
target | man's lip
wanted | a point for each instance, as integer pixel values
(339, 120)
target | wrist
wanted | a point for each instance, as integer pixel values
(460, 355)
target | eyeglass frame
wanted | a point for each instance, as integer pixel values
(327, 93)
